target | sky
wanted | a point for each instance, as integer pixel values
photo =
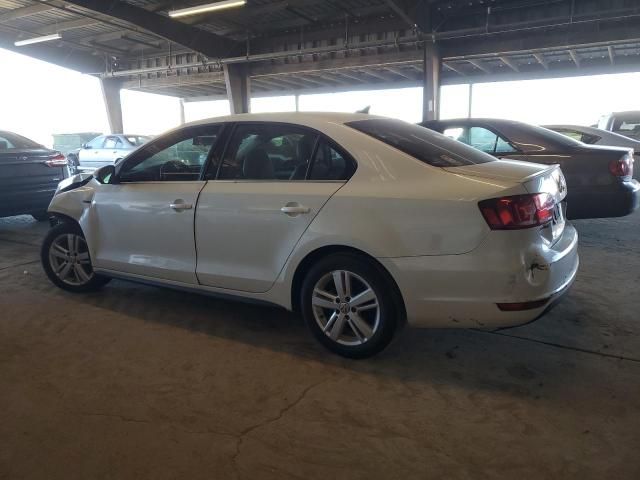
(38, 99)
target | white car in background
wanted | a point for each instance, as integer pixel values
(358, 222)
(107, 150)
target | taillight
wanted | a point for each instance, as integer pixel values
(623, 167)
(58, 161)
(518, 211)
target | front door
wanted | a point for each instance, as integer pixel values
(266, 194)
(145, 220)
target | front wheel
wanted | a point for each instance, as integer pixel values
(66, 260)
(349, 305)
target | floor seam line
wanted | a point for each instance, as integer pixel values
(565, 347)
(19, 265)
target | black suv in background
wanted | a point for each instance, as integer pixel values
(29, 175)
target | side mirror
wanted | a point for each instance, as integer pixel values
(106, 174)
(85, 146)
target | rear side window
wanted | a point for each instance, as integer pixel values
(329, 164)
(421, 143)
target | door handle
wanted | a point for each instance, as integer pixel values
(179, 206)
(293, 209)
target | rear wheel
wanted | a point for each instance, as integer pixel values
(349, 306)
(66, 260)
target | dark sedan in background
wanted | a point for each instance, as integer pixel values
(599, 179)
(29, 175)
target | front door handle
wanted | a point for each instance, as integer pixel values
(179, 205)
(293, 209)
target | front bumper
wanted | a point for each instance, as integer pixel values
(463, 290)
(612, 201)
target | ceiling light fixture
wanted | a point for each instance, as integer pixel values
(209, 7)
(46, 38)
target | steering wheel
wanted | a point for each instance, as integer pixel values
(172, 167)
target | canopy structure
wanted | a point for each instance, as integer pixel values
(278, 47)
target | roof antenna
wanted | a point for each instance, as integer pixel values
(365, 109)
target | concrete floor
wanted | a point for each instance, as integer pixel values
(141, 382)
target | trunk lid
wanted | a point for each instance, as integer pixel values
(535, 179)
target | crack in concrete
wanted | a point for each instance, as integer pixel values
(241, 436)
(19, 265)
(564, 347)
(122, 418)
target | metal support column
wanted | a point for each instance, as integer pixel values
(112, 102)
(431, 87)
(470, 106)
(236, 77)
(182, 118)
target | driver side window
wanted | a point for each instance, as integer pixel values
(176, 157)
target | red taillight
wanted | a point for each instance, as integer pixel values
(518, 211)
(517, 307)
(623, 167)
(58, 161)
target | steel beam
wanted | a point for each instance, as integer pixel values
(112, 102)
(541, 60)
(202, 41)
(238, 84)
(22, 12)
(509, 63)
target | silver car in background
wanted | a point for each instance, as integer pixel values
(108, 150)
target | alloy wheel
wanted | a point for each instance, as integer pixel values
(346, 307)
(69, 259)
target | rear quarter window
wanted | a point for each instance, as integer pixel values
(421, 143)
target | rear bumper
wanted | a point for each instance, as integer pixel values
(603, 203)
(20, 203)
(464, 290)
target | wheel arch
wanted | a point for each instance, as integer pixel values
(314, 256)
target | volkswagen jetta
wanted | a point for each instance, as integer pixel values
(358, 222)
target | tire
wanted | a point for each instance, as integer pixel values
(40, 216)
(354, 327)
(75, 272)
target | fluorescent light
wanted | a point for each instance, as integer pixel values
(46, 38)
(209, 7)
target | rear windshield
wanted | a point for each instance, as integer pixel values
(420, 142)
(11, 141)
(546, 136)
(627, 124)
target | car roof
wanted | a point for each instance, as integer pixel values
(310, 119)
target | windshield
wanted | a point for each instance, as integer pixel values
(420, 142)
(627, 125)
(12, 141)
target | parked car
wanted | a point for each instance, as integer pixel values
(29, 175)
(357, 221)
(599, 179)
(69, 144)
(596, 136)
(107, 150)
(623, 123)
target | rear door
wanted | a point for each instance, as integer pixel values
(266, 194)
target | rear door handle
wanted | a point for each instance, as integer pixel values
(179, 206)
(294, 209)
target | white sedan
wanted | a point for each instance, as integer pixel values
(358, 222)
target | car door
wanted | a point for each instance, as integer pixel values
(110, 151)
(89, 156)
(145, 220)
(262, 199)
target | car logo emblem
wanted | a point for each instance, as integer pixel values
(24, 159)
